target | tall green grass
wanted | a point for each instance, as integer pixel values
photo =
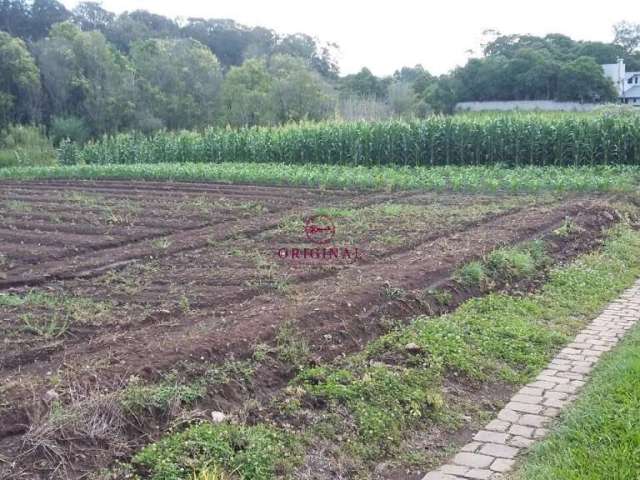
(512, 140)
(25, 145)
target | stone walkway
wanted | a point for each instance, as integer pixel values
(522, 421)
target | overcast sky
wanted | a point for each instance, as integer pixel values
(385, 35)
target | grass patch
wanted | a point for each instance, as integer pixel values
(46, 327)
(472, 274)
(50, 315)
(598, 438)
(257, 452)
(160, 397)
(442, 178)
(504, 265)
(383, 401)
(291, 347)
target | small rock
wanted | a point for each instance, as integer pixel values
(413, 348)
(218, 417)
(50, 396)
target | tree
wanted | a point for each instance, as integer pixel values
(297, 92)
(45, 14)
(402, 99)
(84, 76)
(627, 35)
(246, 95)
(583, 79)
(91, 16)
(31, 20)
(443, 95)
(417, 77)
(319, 56)
(15, 17)
(179, 82)
(365, 84)
(19, 81)
(226, 39)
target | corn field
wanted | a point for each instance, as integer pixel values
(510, 140)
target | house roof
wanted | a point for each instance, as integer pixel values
(633, 92)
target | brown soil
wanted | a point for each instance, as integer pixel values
(169, 272)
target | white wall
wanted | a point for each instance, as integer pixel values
(527, 105)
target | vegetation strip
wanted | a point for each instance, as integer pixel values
(447, 178)
(527, 139)
(523, 420)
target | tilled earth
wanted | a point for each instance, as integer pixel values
(100, 281)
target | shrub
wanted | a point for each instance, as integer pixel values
(69, 128)
(472, 274)
(25, 145)
(510, 263)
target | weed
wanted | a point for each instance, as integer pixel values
(3, 265)
(268, 275)
(161, 243)
(391, 239)
(256, 452)
(260, 352)
(214, 472)
(47, 327)
(382, 400)
(161, 397)
(507, 264)
(568, 229)
(184, 304)
(291, 347)
(472, 275)
(392, 293)
(18, 206)
(442, 297)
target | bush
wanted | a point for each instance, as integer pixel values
(510, 263)
(471, 275)
(69, 128)
(25, 145)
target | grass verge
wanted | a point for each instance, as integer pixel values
(598, 438)
(456, 178)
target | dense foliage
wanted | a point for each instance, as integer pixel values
(88, 71)
(533, 139)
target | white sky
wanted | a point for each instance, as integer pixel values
(385, 35)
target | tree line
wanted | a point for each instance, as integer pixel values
(88, 71)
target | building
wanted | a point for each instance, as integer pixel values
(627, 83)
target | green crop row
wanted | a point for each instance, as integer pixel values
(618, 178)
(512, 140)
